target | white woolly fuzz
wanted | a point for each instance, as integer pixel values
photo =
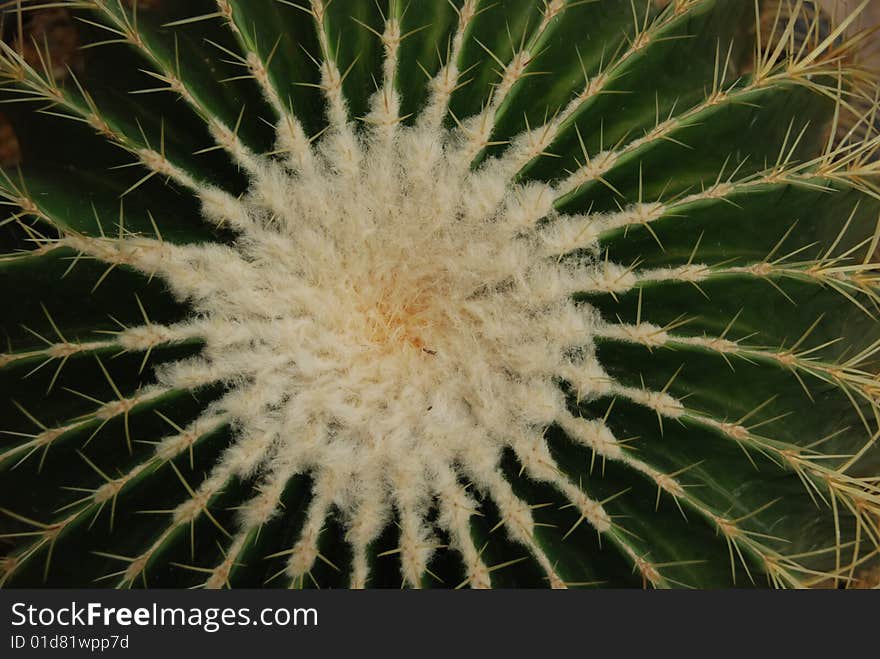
(388, 320)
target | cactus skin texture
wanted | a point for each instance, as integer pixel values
(523, 293)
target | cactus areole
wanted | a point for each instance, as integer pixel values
(527, 293)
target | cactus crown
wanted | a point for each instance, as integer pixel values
(527, 293)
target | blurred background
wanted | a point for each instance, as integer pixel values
(870, 17)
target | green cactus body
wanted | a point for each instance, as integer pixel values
(459, 293)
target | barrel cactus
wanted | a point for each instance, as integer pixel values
(300, 293)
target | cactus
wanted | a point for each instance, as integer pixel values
(525, 293)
